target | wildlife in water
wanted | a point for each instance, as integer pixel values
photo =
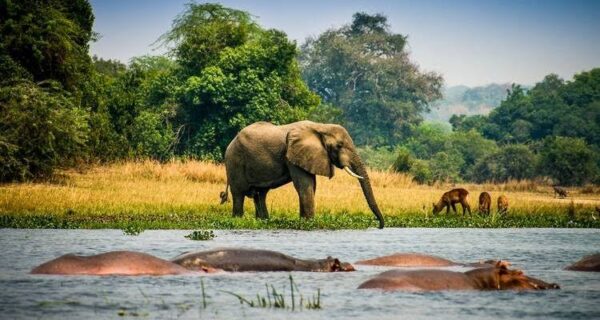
(502, 205)
(242, 259)
(498, 277)
(560, 192)
(425, 260)
(127, 263)
(485, 203)
(450, 199)
(264, 156)
(587, 263)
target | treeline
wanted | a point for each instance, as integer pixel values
(60, 107)
(223, 71)
(551, 131)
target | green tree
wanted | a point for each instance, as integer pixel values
(47, 39)
(421, 172)
(569, 161)
(404, 161)
(552, 107)
(510, 162)
(364, 69)
(40, 129)
(427, 139)
(232, 73)
(472, 147)
(445, 166)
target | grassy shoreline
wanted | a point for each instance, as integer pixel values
(184, 195)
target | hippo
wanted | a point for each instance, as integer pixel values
(128, 263)
(588, 263)
(240, 260)
(494, 278)
(424, 260)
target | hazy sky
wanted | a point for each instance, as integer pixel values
(468, 42)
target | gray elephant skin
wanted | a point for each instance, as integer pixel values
(264, 156)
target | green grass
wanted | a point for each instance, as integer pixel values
(133, 223)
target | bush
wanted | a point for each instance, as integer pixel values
(511, 162)
(569, 161)
(404, 161)
(39, 130)
(445, 166)
(421, 172)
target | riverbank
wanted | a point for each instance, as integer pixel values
(185, 195)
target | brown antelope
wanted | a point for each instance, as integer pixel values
(502, 204)
(485, 203)
(561, 192)
(452, 197)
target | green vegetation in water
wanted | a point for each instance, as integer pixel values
(132, 229)
(134, 223)
(274, 299)
(201, 235)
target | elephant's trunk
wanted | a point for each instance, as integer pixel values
(365, 184)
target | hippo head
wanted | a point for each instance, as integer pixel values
(334, 265)
(496, 263)
(516, 280)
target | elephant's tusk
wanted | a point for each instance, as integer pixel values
(349, 171)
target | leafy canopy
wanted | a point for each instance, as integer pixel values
(232, 73)
(364, 69)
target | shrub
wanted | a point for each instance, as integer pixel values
(569, 161)
(39, 130)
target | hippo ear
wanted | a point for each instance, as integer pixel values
(336, 265)
(501, 265)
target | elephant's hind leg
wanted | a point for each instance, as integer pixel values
(238, 204)
(260, 204)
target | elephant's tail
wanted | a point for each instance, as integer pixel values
(224, 194)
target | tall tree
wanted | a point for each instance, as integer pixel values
(47, 39)
(364, 69)
(44, 65)
(232, 73)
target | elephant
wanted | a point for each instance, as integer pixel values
(494, 278)
(265, 156)
(127, 263)
(243, 259)
(424, 260)
(588, 263)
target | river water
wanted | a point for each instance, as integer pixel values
(541, 253)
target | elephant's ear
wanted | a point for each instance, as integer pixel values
(306, 150)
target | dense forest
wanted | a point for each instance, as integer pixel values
(60, 107)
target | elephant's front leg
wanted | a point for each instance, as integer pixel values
(260, 204)
(305, 184)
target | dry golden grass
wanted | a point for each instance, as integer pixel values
(152, 187)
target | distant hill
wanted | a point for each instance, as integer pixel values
(467, 100)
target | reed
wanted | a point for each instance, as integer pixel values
(278, 300)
